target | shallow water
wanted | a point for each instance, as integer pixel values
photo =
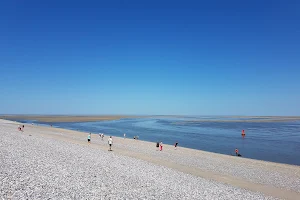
(270, 141)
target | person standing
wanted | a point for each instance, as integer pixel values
(89, 138)
(161, 146)
(157, 146)
(124, 135)
(110, 142)
(175, 145)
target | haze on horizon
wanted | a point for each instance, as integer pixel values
(150, 58)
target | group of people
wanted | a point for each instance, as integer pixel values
(159, 145)
(101, 135)
(21, 128)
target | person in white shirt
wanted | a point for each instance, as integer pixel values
(110, 142)
(124, 135)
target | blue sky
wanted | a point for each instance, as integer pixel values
(150, 57)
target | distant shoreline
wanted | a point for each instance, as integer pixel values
(60, 118)
(93, 118)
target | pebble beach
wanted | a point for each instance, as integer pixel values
(53, 163)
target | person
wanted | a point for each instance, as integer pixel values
(23, 128)
(176, 144)
(243, 133)
(110, 142)
(19, 128)
(124, 135)
(157, 146)
(89, 138)
(161, 146)
(236, 151)
(102, 136)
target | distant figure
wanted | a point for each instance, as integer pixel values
(176, 144)
(157, 146)
(236, 151)
(89, 138)
(124, 135)
(161, 146)
(102, 136)
(243, 133)
(19, 128)
(137, 137)
(23, 128)
(110, 142)
(134, 137)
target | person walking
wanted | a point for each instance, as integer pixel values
(89, 138)
(161, 146)
(110, 142)
(124, 135)
(157, 146)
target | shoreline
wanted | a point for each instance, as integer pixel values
(47, 124)
(275, 179)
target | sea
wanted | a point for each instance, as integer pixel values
(268, 141)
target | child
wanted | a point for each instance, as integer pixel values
(161, 146)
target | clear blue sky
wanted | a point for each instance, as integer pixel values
(150, 57)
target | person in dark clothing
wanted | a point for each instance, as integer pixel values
(175, 145)
(157, 146)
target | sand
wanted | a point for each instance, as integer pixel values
(91, 118)
(61, 118)
(137, 170)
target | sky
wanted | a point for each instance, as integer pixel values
(150, 57)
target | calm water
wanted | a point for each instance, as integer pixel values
(271, 141)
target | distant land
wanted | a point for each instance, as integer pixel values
(189, 119)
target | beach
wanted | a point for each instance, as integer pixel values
(47, 162)
(65, 118)
(194, 119)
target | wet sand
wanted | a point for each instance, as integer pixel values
(242, 119)
(271, 179)
(60, 118)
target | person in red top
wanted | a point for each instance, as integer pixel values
(236, 151)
